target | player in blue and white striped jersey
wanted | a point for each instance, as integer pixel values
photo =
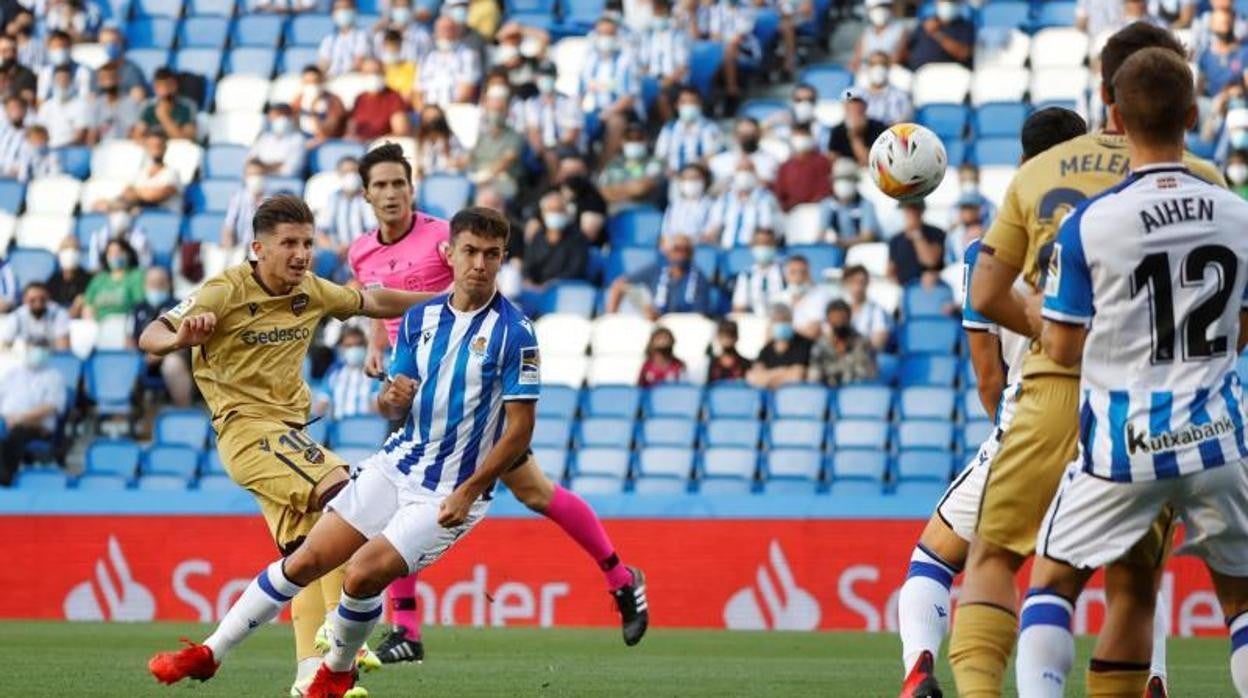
(1146, 286)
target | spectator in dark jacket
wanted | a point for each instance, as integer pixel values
(554, 247)
(728, 365)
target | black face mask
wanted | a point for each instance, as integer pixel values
(6, 63)
(1227, 37)
(438, 124)
(111, 90)
(843, 331)
(159, 159)
(38, 314)
(749, 145)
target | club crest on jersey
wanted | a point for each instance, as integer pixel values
(478, 345)
(530, 366)
(298, 304)
(314, 455)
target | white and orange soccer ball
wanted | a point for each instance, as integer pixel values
(907, 161)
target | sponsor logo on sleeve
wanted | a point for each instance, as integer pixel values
(181, 309)
(530, 366)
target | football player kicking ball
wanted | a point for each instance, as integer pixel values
(465, 372)
(923, 606)
(1147, 288)
(408, 251)
(250, 329)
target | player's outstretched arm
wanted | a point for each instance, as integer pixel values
(160, 338)
(989, 371)
(994, 297)
(521, 415)
(389, 303)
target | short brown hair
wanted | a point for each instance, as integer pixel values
(1155, 92)
(1127, 41)
(387, 152)
(482, 221)
(283, 208)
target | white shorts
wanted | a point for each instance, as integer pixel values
(959, 506)
(1093, 522)
(374, 505)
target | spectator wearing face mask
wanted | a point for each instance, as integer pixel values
(322, 115)
(59, 44)
(468, 33)
(345, 218)
(851, 219)
(610, 85)
(413, 39)
(748, 136)
(969, 226)
(727, 364)
(1202, 34)
(38, 160)
(15, 154)
(279, 149)
(731, 23)
(760, 286)
(379, 111)
(348, 390)
(400, 71)
(801, 112)
(785, 357)
(450, 72)
(946, 37)
(804, 177)
(689, 212)
(690, 138)
(554, 247)
(968, 188)
(746, 207)
(869, 319)
(840, 356)
(885, 103)
(804, 297)
(1237, 172)
(438, 150)
(173, 370)
(157, 185)
(68, 284)
(166, 111)
(675, 286)
(853, 137)
(112, 111)
(118, 286)
(37, 319)
(884, 32)
(552, 120)
(1223, 60)
(15, 78)
(661, 364)
(664, 55)
(342, 51)
(917, 253)
(495, 158)
(118, 225)
(130, 79)
(1097, 17)
(633, 177)
(32, 396)
(585, 202)
(519, 70)
(236, 228)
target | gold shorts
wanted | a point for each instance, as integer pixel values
(280, 464)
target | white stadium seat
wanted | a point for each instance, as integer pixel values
(245, 93)
(56, 194)
(751, 334)
(1008, 51)
(284, 88)
(994, 180)
(91, 55)
(43, 230)
(99, 189)
(620, 334)
(320, 187)
(568, 55)
(830, 112)
(940, 83)
(693, 334)
(804, 224)
(885, 292)
(999, 85)
(118, 158)
(184, 157)
(348, 87)
(872, 255)
(1059, 83)
(465, 122)
(1058, 47)
(614, 370)
(568, 370)
(562, 334)
(238, 128)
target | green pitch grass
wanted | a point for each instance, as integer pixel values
(84, 659)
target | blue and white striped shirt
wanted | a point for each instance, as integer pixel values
(553, 118)
(341, 51)
(681, 143)
(239, 216)
(346, 218)
(9, 290)
(686, 216)
(1157, 269)
(442, 72)
(737, 218)
(665, 54)
(466, 366)
(607, 79)
(351, 392)
(15, 155)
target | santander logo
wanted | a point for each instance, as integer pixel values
(775, 602)
(113, 594)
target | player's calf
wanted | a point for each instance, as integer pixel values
(923, 604)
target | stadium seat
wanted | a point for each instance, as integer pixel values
(805, 224)
(75, 161)
(57, 194)
(41, 479)
(925, 433)
(668, 431)
(829, 80)
(574, 297)
(733, 401)
(672, 400)
(558, 402)
(1000, 119)
(619, 334)
(927, 403)
(204, 227)
(12, 194)
(605, 432)
(211, 463)
(927, 370)
(920, 495)
(1000, 84)
(725, 486)
(110, 380)
(1004, 13)
(181, 461)
(102, 482)
(940, 83)
(930, 337)
(762, 110)
(161, 483)
(101, 190)
(237, 92)
(254, 61)
(221, 8)
(863, 402)
(444, 194)
(918, 301)
(596, 484)
(660, 484)
(604, 462)
(614, 370)
(996, 151)
(974, 433)
(364, 430)
(70, 367)
(924, 464)
(326, 156)
(625, 261)
(151, 32)
(620, 401)
(112, 456)
(1054, 13)
(162, 230)
(258, 30)
(236, 127)
(820, 257)
(731, 432)
(693, 334)
(552, 461)
(705, 60)
(117, 159)
(562, 334)
(203, 32)
(568, 370)
(30, 265)
(1059, 85)
(318, 429)
(635, 227)
(43, 231)
(728, 462)
(999, 47)
(793, 464)
(853, 490)
(872, 255)
(859, 464)
(796, 433)
(148, 60)
(972, 406)
(798, 401)
(216, 482)
(211, 195)
(309, 29)
(182, 427)
(860, 433)
(157, 8)
(665, 461)
(85, 225)
(945, 120)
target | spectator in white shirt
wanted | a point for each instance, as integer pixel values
(689, 211)
(347, 390)
(415, 39)
(38, 319)
(808, 300)
(756, 289)
(450, 72)
(341, 52)
(746, 207)
(64, 113)
(552, 120)
(280, 148)
(31, 398)
(690, 138)
(157, 185)
(665, 50)
(59, 44)
(14, 153)
(38, 159)
(869, 318)
(885, 103)
(748, 136)
(610, 86)
(236, 228)
(346, 217)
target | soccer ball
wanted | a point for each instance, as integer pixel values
(907, 161)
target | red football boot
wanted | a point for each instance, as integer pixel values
(921, 683)
(191, 662)
(334, 684)
(1156, 688)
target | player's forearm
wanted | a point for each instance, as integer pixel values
(390, 303)
(993, 297)
(515, 440)
(158, 339)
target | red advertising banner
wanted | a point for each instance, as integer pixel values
(748, 575)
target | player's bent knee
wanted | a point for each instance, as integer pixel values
(987, 554)
(938, 538)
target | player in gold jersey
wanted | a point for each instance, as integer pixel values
(250, 329)
(1041, 441)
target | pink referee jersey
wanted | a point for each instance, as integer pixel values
(415, 262)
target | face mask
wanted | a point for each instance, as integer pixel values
(842, 331)
(444, 44)
(749, 145)
(374, 84)
(743, 180)
(634, 151)
(844, 189)
(1239, 140)
(692, 188)
(763, 254)
(1226, 37)
(36, 357)
(878, 16)
(280, 125)
(545, 84)
(354, 356)
(401, 15)
(59, 93)
(156, 297)
(254, 184)
(689, 112)
(802, 144)
(118, 263)
(877, 74)
(782, 332)
(555, 220)
(663, 349)
(390, 57)
(1237, 173)
(660, 24)
(69, 258)
(497, 92)
(1236, 103)
(506, 53)
(946, 11)
(344, 18)
(605, 44)
(803, 112)
(458, 14)
(113, 51)
(58, 56)
(351, 182)
(110, 90)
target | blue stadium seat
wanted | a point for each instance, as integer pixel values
(216, 482)
(205, 227)
(86, 224)
(257, 30)
(222, 8)
(1004, 13)
(355, 454)
(784, 487)
(211, 195)
(30, 264)
(740, 433)
(820, 257)
(606, 462)
(996, 151)
(734, 401)
(635, 227)
(930, 336)
(295, 58)
(41, 479)
(596, 484)
(514, 7)
(368, 431)
(182, 461)
(945, 120)
(113, 456)
(70, 368)
(625, 261)
(828, 79)
(161, 483)
(148, 60)
(705, 60)
(887, 367)
(605, 432)
(576, 297)
(101, 482)
(924, 464)
(923, 402)
(796, 433)
(12, 195)
(850, 490)
(660, 484)
(75, 161)
(671, 400)
(150, 32)
(725, 486)
(611, 401)
(734, 261)
(761, 109)
(203, 32)
(972, 406)
(162, 229)
(665, 461)
(1000, 119)
(200, 61)
(928, 370)
(558, 401)
(1054, 13)
(444, 194)
(283, 185)
(766, 28)
(918, 301)
(224, 161)
(863, 402)
(552, 461)
(583, 12)
(859, 464)
(974, 433)
(925, 433)
(327, 155)
(728, 462)
(158, 8)
(211, 463)
(186, 427)
(793, 464)
(309, 29)
(956, 152)
(798, 401)
(859, 433)
(668, 431)
(318, 430)
(260, 61)
(706, 260)
(110, 380)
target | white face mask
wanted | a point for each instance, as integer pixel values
(545, 84)
(689, 112)
(692, 188)
(877, 75)
(280, 125)
(497, 91)
(444, 44)
(844, 189)
(401, 15)
(605, 44)
(69, 258)
(530, 47)
(634, 151)
(458, 14)
(968, 186)
(390, 57)
(878, 16)
(505, 54)
(254, 184)
(802, 144)
(743, 180)
(351, 182)
(374, 83)
(555, 220)
(803, 112)
(119, 222)
(344, 18)
(1237, 173)
(946, 11)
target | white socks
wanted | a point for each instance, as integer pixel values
(1239, 653)
(1161, 631)
(1046, 647)
(923, 606)
(260, 603)
(349, 628)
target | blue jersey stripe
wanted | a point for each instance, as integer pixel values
(1232, 407)
(481, 415)
(429, 388)
(455, 409)
(1166, 463)
(1210, 451)
(1120, 462)
(1087, 427)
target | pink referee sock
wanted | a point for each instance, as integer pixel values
(402, 593)
(580, 522)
